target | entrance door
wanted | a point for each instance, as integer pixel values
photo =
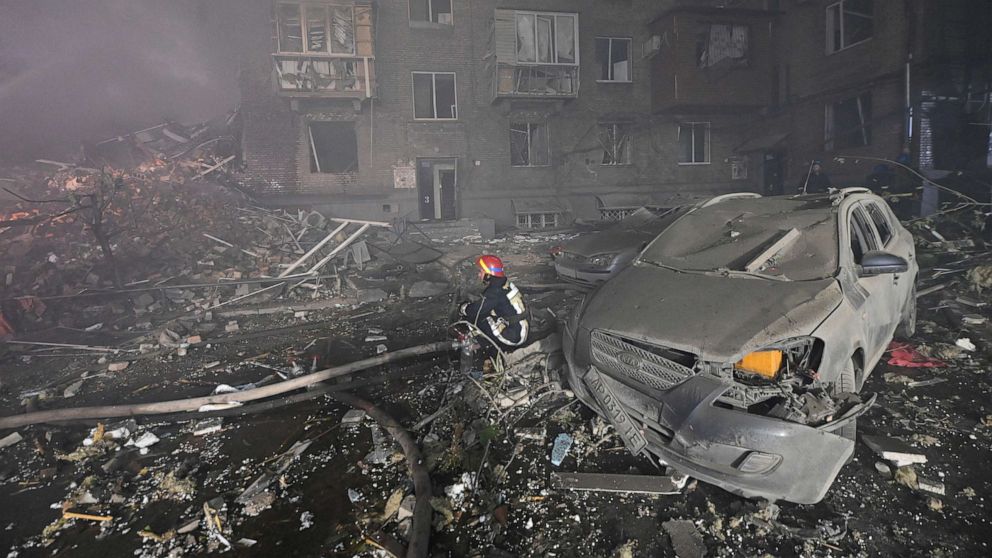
(774, 184)
(444, 181)
(436, 184)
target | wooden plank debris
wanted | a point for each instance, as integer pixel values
(629, 484)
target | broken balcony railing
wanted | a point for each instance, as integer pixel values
(536, 80)
(312, 75)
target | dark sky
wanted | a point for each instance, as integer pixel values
(74, 70)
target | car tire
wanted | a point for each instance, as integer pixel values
(907, 321)
(847, 383)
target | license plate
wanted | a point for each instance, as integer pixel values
(608, 402)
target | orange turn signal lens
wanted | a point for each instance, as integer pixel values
(763, 363)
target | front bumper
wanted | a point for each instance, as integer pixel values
(797, 463)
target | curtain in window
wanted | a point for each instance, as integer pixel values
(526, 44)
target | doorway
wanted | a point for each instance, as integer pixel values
(437, 180)
(772, 173)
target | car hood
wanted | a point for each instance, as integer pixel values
(617, 240)
(717, 318)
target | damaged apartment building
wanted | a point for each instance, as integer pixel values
(536, 113)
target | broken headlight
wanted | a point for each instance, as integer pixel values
(601, 260)
(787, 358)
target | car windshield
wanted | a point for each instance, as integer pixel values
(792, 238)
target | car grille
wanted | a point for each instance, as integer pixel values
(619, 357)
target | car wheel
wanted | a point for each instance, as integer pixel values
(847, 383)
(907, 322)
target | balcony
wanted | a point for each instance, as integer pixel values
(325, 77)
(536, 81)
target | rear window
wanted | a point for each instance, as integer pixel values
(799, 239)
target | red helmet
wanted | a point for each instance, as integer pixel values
(491, 265)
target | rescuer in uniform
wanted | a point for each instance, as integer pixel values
(501, 313)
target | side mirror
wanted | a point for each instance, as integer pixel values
(877, 262)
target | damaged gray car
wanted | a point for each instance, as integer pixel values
(735, 346)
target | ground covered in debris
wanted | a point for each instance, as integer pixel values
(187, 306)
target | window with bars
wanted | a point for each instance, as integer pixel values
(849, 22)
(537, 220)
(529, 145)
(434, 96)
(312, 28)
(613, 58)
(694, 143)
(616, 141)
(847, 123)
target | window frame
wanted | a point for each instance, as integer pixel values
(830, 133)
(830, 29)
(413, 87)
(428, 21)
(628, 160)
(861, 229)
(312, 145)
(554, 49)
(880, 220)
(708, 148)
(530, 152)
(305, 33)
(630, 58)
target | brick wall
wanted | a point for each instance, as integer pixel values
(276, 145)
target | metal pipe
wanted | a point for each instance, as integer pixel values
(192, 404)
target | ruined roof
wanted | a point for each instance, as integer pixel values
(788, 237)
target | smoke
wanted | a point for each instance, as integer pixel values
(78, 70)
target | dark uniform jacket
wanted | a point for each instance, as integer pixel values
(500, 313)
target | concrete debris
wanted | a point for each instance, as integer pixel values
(927, 485)
(423, 289)
(966, 344)
(896, 451)
(10, 439)
(353, 416)
(118, 366)
(686, 539)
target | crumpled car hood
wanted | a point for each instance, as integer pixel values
(616, 240)
(717, 318)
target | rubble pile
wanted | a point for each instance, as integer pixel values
(160, 241)
(518, 467)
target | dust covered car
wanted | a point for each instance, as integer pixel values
(735, 345)
(590, 259)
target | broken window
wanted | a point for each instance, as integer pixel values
(719, 42)
(849, 22)
(881, 222)
(615, 138)
(311, 28)
(290, 28)
(333, 147)
(847, 123)
(613, 57)
(862, 237)
(431, 11)
(694, 143)
(529, 145)
(434, 96)
(546, 38)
